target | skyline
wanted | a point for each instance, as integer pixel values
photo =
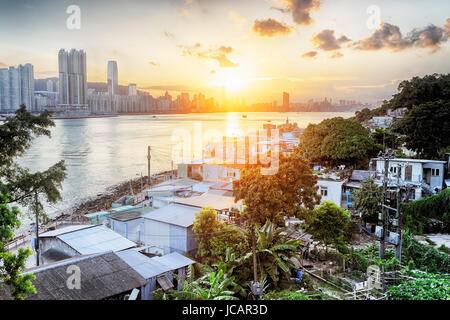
(255, 49)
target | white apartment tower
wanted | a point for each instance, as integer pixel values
(113, 78)
(72, 77)
(17, 87)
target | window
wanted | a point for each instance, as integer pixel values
(324, 191)
(393, 170)
(408, 173)
(435, 172)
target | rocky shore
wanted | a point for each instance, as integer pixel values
(104, 200)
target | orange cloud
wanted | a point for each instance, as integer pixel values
(271, 27)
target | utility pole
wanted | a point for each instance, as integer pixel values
(398, 247)
(384, 210)
(149, 157)
(36, 211)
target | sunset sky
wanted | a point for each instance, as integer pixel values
(255, 48)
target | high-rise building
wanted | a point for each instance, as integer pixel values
(50, 85)
(113, 78)
(72, 78)
(285, 101)
(132, 91)
(17, 87)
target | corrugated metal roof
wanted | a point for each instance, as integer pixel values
(67, 229)
(152, 267)
(103, 275)
(174, 260)
(96, 239)
(215, 201)
(175, 214)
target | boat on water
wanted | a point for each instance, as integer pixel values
(244, 116)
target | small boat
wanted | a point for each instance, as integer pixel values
(154, 116)
(244, 116)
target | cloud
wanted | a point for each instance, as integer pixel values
(270, 28)
(153, 63)
(310, 54)
(182, 12)
(218, 54)
(300, 9)
(336, 55)
(3, 65)
(188, 1)
(447, 27)
(236, 17)
(326, 40)
(169, 35)
(389, 37)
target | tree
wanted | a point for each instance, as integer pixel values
(19, 185)
(292, 191)
(215, 237)
(205, 228)
(12, 265)
(418, 91)
(427, 128)
(274, 251)
(327, 225)
(337, 141)
(212, 286)
(368, 200)
(386, 138)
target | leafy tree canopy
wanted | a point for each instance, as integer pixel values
(338, 141)
(418, 90)
(368, 200)
(328, 224)
(427, 128)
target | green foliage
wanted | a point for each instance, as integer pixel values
(274, 251)
(12, 265)
(417, 214)
(421, 90)
(328, 224)
(285, 295)
(215, 237)
(425, 287)
(444, 249)
(19, 185)
(427, 128)
(291, 191)
(212, 286)
(424, 257)
(338, 141)
(386, 138)
(368, 200)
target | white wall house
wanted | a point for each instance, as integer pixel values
(426, 176)
(330, 190)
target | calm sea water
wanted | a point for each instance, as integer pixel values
(100, 152)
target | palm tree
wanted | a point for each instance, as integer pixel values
(274, 251)
(212, 286)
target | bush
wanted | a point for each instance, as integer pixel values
(426, 287)
(285, 295)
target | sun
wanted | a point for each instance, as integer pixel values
(234, 84)
(231, 80)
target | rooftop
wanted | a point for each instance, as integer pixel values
(103, 275)
(218, 202)
(93, 239)
(131, 215)
(175, 214)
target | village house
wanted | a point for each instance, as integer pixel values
(425, 177)
(79, 240)
(103, 276)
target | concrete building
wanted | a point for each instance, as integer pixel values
(132, 91)
(79, 240)
(425, 176)
(17, 88)
(157, 271)
(72, 78)
(113, 78)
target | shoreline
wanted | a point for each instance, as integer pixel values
(102, 201)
